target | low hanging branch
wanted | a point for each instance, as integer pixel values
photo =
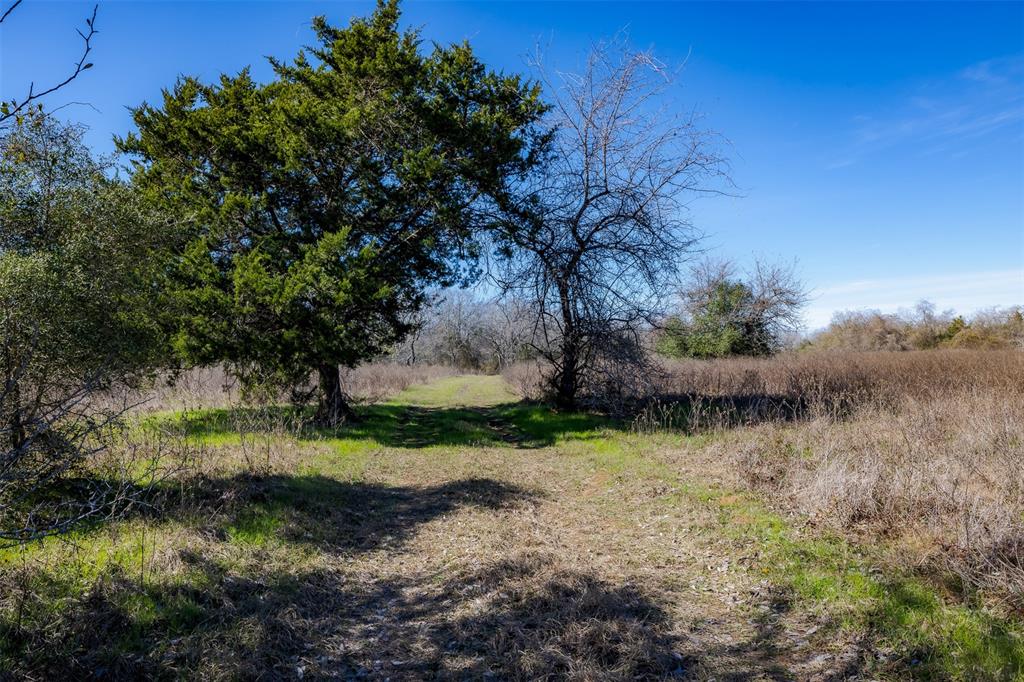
(12, 108)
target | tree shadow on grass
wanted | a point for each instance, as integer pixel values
(771, 651)
(522, 619)
(331, 515)
(522, 425)
(526, 616)
(518, 425)
(694, 413)
(901, 633)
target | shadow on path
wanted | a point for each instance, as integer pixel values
(332, 515)
(524, 618)
(520, 425)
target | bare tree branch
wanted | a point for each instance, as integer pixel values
(12, 108)
(602, 227)
(10, 9)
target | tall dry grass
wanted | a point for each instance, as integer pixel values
(378, 381)
(201, 388)
(846, 379)
(526, 379)
(921, 449)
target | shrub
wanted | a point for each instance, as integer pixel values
(921, 329)
(724, 314)
(79, 258)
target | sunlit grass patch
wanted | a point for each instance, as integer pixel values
(472, 390)
(932, 639)
(255, 526)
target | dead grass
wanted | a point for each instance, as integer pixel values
(378, 381)
(921, 449)
(213, 387)
(455, 534)
(421, 545)
(526, 379)
(831, 382)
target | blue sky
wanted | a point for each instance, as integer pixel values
(881, 145)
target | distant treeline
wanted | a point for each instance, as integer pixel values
(467, 333)
(921, 329)
(462, 331)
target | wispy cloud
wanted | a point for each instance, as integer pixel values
(1001, 71)
(963, 292)
(942, 116)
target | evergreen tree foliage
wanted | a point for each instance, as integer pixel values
(726, 324)
(323, 204)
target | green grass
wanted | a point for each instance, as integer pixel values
(933, 639)
(936, 639)
(456, 411)
(458, 391)
(256, 526)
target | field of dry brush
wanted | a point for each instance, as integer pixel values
(806, 517)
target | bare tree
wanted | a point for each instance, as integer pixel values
(15, 107)
(601, 226)
(506, 332)
(460, 330)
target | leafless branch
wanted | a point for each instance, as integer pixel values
(12, 108)
(10, 9)
(602, 226)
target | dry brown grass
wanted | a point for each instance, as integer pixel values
(211, 387)
(380, 380)
(194, 389)
(847, 379)
(426, 543)
(409, 564)
(921, 449)
(526, 379)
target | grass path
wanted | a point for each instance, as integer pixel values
(457, 534)
(572, 555)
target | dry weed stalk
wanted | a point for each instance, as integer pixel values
(922, 448)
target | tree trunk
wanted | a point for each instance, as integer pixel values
(17, 427)
(567, 380)
(332, 410)
(12, 396)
